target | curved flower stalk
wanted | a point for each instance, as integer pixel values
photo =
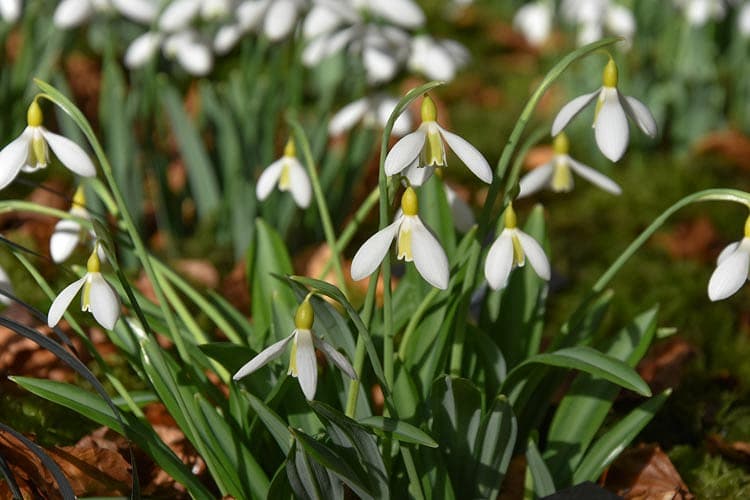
(415, 244)
(370, 111)
(534, 21)
(510, 250)
(732, 268)
(69, 232)
(29, 152)
(97, 297)
(289, 175)
(611, 116)
(437, 59)
(302, 362)
(557, 174)
(419, 153)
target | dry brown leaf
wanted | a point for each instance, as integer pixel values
(664, 365)
(513, 484)
(200, 271)
(538, 156)
(235, 289)
(693, 239)
(645, 473)
(737, 451)
(730, 144)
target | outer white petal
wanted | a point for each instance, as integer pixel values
(534, 21)
(404, 152)
(611, 126)
(348, 116)
(403, 123)
(64, 239)
(280, 19)
(268, 179)
(195, 57)
(299, 183)
(499, 261)
(380, 65)
(729, 276)
(418, 175)
(6, 286)
(226, 38)
(320, 19)
(335, 357)
(71, 13)
(620, 21)
(570, 110)
(105, 304)
(535, 180)
(140, 11)
(13, 157)
(62, 301)
(371, 253)
(142, 49)
(728, 250)
(250, 13)
(307, 365)
(534, 254)
(178, 14)
(429, 256)
(468, 154)
(743, 20)
(463, 217)
(401, 12)
(10, 10)
(268, 354)
(640, 114)
(594, 176)
(70, 154)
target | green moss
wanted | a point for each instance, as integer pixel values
(710, 477)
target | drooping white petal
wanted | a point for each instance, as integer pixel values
(250, 13)
(611, 126)
(534, 21)
(401, 12)
(280, 19)
(404, 152)
(743, 20)
(534, 255)
(620, 21)
(640, 114)
(142, 49)
(535, 180)
(105, 304)
(178, 14)
(6, 286)
(594, 176)
(570, 110)
(380, 65)
(499, 261)
(10, 10)
(195, 57)
(140, 11)
(268, 354)
(64, 239)
(71, 13)
(70, 154)
(416, 174)
(371, 253)
(62, 301)
(728, 250)
(468, 154)
(299, 183)
(268, 179)
(226, 38)
(463, 217)
(13, 157)
(348, 116)
(729, 276)
(335, 357)
(429, 257)
(307, 365)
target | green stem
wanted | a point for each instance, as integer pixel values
(360, 351)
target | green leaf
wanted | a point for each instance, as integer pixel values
(606, 449)
(400, 430)
(309, 479)
(230, 356)
(587, 360)
(494, 447)
(273, 423)
(543, 483)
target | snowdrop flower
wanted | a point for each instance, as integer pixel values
(743, 20)
(611, 115)
(140, 11)
(510, 250)
(371, 111)
(10, 10)
(186, 47)
(68, 232)
(71, 13)
(436, 59)
(699, 12)
(289, 175)
(420, 152)
(592, 17)
(415, 244)
(98, 297)
(302, 362)
(275, 18)
(534, 21)
(5, 286)
(732, 268)
(557, 174)
(179, 14)
(29, 151)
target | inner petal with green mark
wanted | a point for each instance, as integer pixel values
(519, 258)
(86, 297)
(38, 151)
(562, 178)
(433, 153)
(293, 359)
(284, 178)
(404, 245)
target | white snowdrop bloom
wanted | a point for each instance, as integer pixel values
(97, 297)
(69, 232)
(620, 21)
(289, 175)
(732, 268)
(437, 59)
(226, 38)
(29, 151)
(404, 13)
(302, 363)
(611, 116)
(510, 250)
(6, 286)
(593, 17)
(276, 19)
(143, 49)
(10, 10)
(190, 51)
(370, 111)
(743, 20)
(140, 11)
(417, 154)
(699, 12)
(534, 21)
(415, 244)
(71, 13)
(557, 174)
